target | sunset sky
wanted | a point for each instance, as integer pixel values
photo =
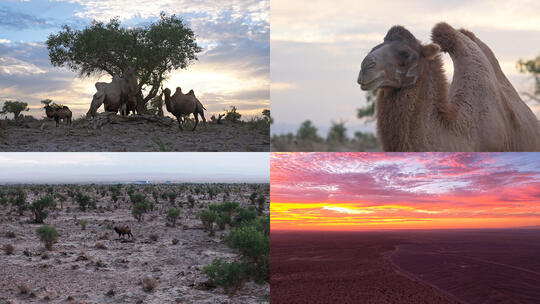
(233, 68)
(366, 191)
(316, 58)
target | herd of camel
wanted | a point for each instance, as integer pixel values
(120, 95)
(417, 111)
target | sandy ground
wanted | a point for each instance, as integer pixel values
(135, 133)
(78, 272)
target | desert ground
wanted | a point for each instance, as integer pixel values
(90, 263)
(114, 133)
(406, 267)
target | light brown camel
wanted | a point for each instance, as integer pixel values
(118, 95)
(181, 104)
(58, 112)
(416, 112)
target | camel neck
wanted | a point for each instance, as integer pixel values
(410, 119)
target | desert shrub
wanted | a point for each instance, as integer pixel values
(243, 217)
(83, 224)
(10, 234)
(251, 242)
(154, 237)
(232, 115)
(191, 201)
(175, 241)
(149, 283)
(173, 214)
(140, 208)
(48, 235)
(8, 249)
(264, 225)
(208, 217)
(18, 199)
(253, 197)
(100, 245)
(171, 196)
(221, 222)
(229, 275)
(15, 107)
(62, 198)
(39, 208)
(137, 198)
(211, 192)
(83, 200)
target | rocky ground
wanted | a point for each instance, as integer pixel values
(114, 133)
(94, 265)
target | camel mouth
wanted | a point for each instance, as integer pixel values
(373, 84)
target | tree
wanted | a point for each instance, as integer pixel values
(83, 200)
(308, 132)
(531, 67)
(173, 215)
(337, 133)
(369, 109)
(38, 208)
(208, 217)
(140, 208)
(48, 235)
(155, 50)
(18, 199)
(15, 107)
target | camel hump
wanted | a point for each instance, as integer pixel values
(445, 36)
(191, 92)
(179, 89)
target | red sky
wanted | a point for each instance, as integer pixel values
(365, 191)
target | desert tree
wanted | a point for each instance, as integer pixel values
(39, 208)
(154, 50)
(15, 107)
(48, 235)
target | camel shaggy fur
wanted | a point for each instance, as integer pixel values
(118, 95)
(121, 230)
(57, 113)
(416, 111)
(184, 104)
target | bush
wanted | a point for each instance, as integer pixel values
(232, 115)
(172, 196)
(244, 217)
(149, 283)
(230, 276)
(140, 208)
(208, 217)
(18, 199)
(137, 198)
(251, 242)
(83, 200)
(38, 208)
(48, 235)
(15, 107)
(9, 249)
(83, 224)
(173, 215)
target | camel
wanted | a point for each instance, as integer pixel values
(120, 94)
(181, 104)
(415, 110)
(58, 112)
(121, 230)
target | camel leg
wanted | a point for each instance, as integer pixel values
(204, 119)
(196, 120)
(57, 119)
(179, 123)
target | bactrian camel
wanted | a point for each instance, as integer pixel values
(184, 104)
(118, 95)
(415, 111)
(58, 112)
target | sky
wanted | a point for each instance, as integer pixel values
(315, 59)
(54, 168)
(371, 191)
(233, 68)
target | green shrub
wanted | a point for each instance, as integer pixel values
(208, 217)
(38, 208)
(230, 276)
(48, 235)
(83, 200)
(173, 214)
(172, 197)
(83, 224)
(137, 198)
(251, 242)
(232, 115)
(18, 199)
(15, 107)
(244, 217)
(140, 208)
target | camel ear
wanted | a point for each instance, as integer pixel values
(430, 51)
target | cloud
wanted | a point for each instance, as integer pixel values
(14, 20)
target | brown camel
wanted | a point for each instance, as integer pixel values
(416, 112)
(118, 95)
(181, 104)
(58, 112)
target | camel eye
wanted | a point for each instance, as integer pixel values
(404, 54)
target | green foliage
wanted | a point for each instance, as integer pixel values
(337, 134)
(15, 107)
(208, 217)
(172, 196)
(232, 115)
(173, 214)
(532, 67)
(369, 110)
(38, 208)
(83, 224)
(308, 132)
(137, 198)
(251, 242)
(228, 275)
(17, 198)
(48, 235)
(155, 49)
(253, 197)
(83, 200)
(244, 216)
(140, 208)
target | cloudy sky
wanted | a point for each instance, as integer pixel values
(316, 58)
(359, 191)
(128, 167)
(233, 68)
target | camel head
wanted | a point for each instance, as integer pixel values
(397, 62)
